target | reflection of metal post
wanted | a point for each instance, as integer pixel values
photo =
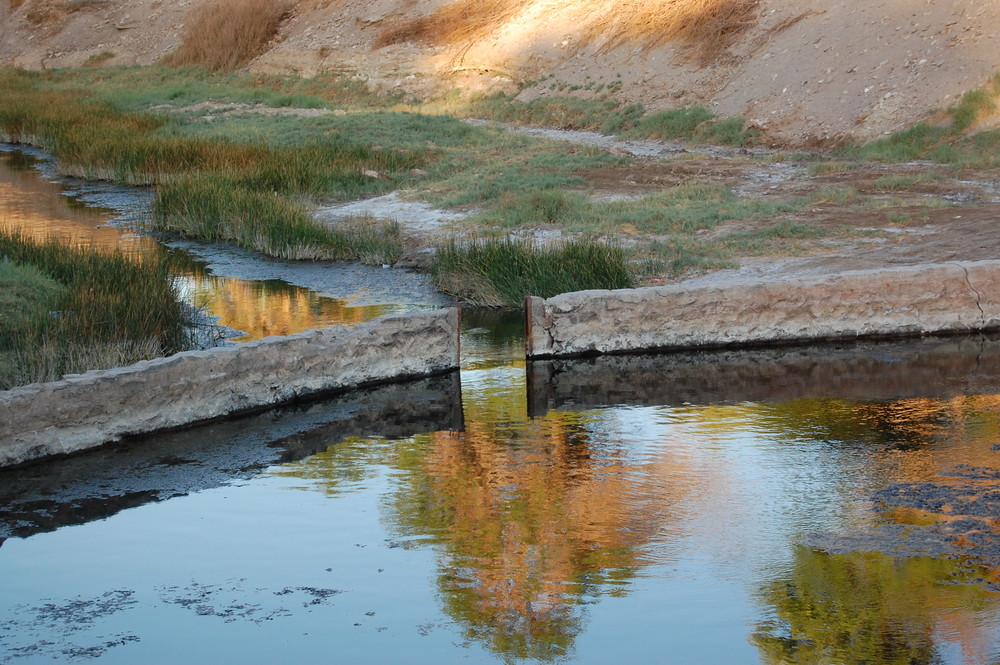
(456, 416)
(539, 377)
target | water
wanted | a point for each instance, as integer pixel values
(253, 296)
(828, 504)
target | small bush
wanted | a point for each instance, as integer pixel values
(459, 21)
(623, 119)
(557, 111)
(696, 124)
(830, 168)
(896, 182)
(228, 34)
(973, 105)
(27, 296)
(501, 272)
(903, 146)
(551, 206)
(672, 124)
(728, 131)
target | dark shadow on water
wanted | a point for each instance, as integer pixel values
(98, 484)
(870, 370)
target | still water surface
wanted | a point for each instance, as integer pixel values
(831, 504)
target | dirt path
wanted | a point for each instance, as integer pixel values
(941, 215)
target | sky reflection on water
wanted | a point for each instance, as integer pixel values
(581, 534)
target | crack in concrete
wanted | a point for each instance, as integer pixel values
(982, 314)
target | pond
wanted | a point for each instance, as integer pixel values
(816, 504)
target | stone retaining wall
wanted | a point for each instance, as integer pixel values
(86, 410)
(900, 301)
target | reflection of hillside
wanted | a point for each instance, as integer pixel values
(534, 516)
(872, 608)
(37, 208)
(936, 433)
(262, 309)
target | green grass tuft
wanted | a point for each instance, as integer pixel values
(500, 272)
(973, 105)
(694, 124)
(225, 210)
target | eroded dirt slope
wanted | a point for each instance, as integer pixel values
(803, 70)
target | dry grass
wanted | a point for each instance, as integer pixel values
(707, 27)
(456, 22)
(228, 34)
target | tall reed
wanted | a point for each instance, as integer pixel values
(102, 300)
(221, 209)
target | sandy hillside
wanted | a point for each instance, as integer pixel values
(802, 70)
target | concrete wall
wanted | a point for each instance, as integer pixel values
(900, 301)
(86, 410)
(101, 482)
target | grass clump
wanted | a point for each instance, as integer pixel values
(71, 307)
(500, 272)
(944, 144)
(679, 254)
(974, 105)
(224, 210)
(705, 27)
(228, 34)
(561, 112)
(830, 167)
(696, 124)
(27, 296)
(898, 182)
(552, 206)
(684, 209)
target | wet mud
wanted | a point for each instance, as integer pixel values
(956, 517)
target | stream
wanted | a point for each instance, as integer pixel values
(834, 503)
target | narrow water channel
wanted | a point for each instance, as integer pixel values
(252, 296)
(819, 504)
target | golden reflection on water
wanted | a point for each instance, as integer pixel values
(537, 517)
(871, 608)
(39, 208)
(262, 309)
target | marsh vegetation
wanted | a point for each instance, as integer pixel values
(246, 158)
(69, 309)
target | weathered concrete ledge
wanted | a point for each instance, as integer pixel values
(98, 483)
(87, 410)
(892, 302)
